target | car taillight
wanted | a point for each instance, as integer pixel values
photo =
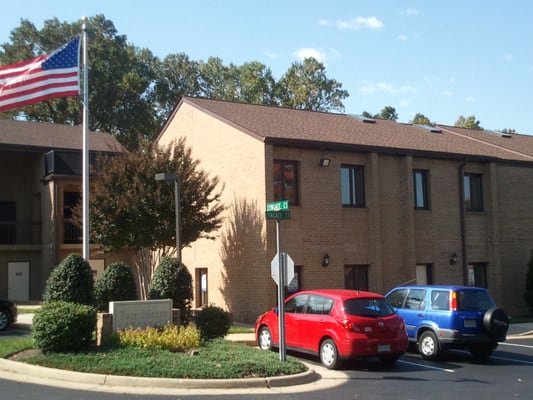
(351, 326)
(453, 304)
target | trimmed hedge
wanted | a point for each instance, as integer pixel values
(71, 281)
(213, 322)
(60, 326)
(172, 280)
(116, 284)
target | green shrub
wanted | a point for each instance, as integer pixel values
(59, 326)
(71, 281)
(213, 322)
(171, 337)
(116, 284)
(172, 280)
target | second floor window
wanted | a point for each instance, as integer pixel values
(421, 189)
(473, 193)
(353, 186)
(286, 181)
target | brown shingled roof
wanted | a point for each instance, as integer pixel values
(44, 136)
(301, 128)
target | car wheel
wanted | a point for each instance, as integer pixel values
(428, 346)
(390, 359)
(329, 355)
(4, 320)
(481, 353)
(496, 322)
(264, 339)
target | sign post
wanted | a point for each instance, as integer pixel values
(279, 210)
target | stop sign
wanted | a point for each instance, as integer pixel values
(289, 268)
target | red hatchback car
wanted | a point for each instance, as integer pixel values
(336, 324)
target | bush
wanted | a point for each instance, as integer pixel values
(172, 280)
(213, 322)
(59, 326)
(171, 337)
(116, 284)
(71, 281)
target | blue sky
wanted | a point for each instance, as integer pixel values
(440, 58)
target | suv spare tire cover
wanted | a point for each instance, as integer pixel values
(496, 322)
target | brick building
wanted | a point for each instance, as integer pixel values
(385, 203)
(40, 183)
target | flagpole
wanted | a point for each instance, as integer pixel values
(85, 183)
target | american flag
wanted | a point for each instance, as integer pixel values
(43, 77)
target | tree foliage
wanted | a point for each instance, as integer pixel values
(387, 112)
(306, 87)
(116, 284)
(421, 119)
(126, 199)
(120, 78)
(470, 123)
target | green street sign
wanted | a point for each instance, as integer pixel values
(278, 215)
(278, 205)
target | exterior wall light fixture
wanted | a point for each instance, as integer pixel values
(325, 162)
(453, 259)
(325, 260)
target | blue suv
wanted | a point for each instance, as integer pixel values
(441, 317)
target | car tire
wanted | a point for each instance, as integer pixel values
(496, 322)
(428, 346)
(5, 318)
(329, 355)
(264, 339)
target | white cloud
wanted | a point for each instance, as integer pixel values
(308, 52)
(448, 93)
(272, 55)
(354, 23)
(508, 57)
(403, 38)
(411, 11)
(371, 88)
(470, 99)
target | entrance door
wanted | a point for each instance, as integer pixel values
(18, 280)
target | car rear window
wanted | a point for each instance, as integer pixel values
(474, 300)
(370, 308)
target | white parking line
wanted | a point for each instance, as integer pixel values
(427, 366)
(516, 345)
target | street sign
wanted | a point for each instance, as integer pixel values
(278, 205)
(278, 215)
(289, 268)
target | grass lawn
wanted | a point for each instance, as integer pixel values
(216, 359)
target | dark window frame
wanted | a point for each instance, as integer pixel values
(356, 277)
(473, 191)
(421, 189)
(280, 182)
(356, 186)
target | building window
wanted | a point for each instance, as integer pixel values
(477, 275)
(421, 189)
(8, 224)
(286, 181)
(296, 283)
(353, 186)
(201, 287)
(473, 193)
(356, 277)
(72, 231)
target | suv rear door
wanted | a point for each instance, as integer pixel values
(410, 304)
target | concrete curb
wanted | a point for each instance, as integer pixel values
(52, 374)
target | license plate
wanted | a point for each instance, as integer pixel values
(383, 348)
(470, 323)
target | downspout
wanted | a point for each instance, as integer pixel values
(464, 257)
